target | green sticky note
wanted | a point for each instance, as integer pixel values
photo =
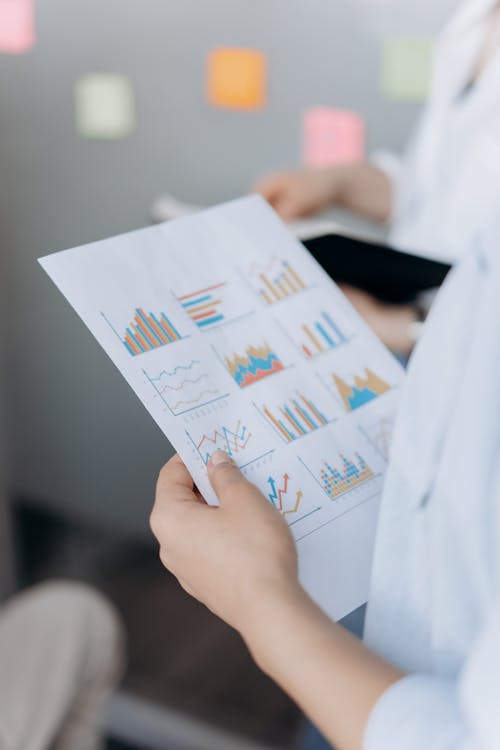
(105, 106)
(406, 68)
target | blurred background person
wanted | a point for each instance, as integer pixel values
(437, 197)
(62, 647)
(61, 656)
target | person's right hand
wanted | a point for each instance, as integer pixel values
(303, 192)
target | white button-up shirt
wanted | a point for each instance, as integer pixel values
(440, 194)
(435, 604)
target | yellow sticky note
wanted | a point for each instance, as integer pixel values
(407, 68)
(105, 106)
(236, 78)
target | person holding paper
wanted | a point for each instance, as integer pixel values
(437, 196)
(428, 673)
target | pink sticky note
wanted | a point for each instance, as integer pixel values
(17, 26)
(332, 136)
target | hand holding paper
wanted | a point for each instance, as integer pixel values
(235, 339)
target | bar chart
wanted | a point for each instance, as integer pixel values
(343, 475)
(205, 306)
(146, 332)
(294, 418)
(276, 281)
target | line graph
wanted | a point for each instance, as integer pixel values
(380, 435)
(257, 363)
(146, 332)
(185, 388)
(279, 495)
(232, 440)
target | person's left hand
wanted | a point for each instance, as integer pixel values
(233, 558)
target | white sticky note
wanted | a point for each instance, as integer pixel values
(17, 26)
(406, 68)
(105, 106)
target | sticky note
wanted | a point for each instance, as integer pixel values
(332, 136)
(105, 106)
(17, 26)
(406, 68)
(236, 78)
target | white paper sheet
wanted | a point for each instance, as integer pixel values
(233, 337)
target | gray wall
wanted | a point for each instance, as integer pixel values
(79, 440)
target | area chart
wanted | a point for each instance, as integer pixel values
(363, 389)
(257, 363)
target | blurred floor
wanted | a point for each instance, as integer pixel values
(180, 655)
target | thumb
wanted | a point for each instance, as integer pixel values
(225, 477)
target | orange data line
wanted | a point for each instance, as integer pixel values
(202, 291)
(297, 427)
(132, 344)
(313, 409)
(158, 330)
(275, 422)
(271, 288)
(142, 339)
(202, 316)
(304, 416)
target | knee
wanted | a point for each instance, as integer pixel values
(82, 618)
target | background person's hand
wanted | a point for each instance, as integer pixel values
(236, 558)
(303, 192)
(391, 323)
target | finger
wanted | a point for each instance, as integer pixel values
(174, 492)
(224, 475)
(175, 473)
(269, 189)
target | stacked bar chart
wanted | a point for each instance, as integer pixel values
(146, 332)
(295, 418)
(204, 306)
(321, 336)
(337, 481)
(279, 282)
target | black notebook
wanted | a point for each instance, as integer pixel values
(388, 274)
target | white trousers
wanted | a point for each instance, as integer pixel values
(61, 654)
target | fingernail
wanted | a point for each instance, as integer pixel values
(220, 457)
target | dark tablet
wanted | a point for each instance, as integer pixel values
(388, 274)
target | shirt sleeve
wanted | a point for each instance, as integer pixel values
(389, 163)
(423, 711)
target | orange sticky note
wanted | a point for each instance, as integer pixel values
(17, 26)
(236, 78)
(332, 136)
